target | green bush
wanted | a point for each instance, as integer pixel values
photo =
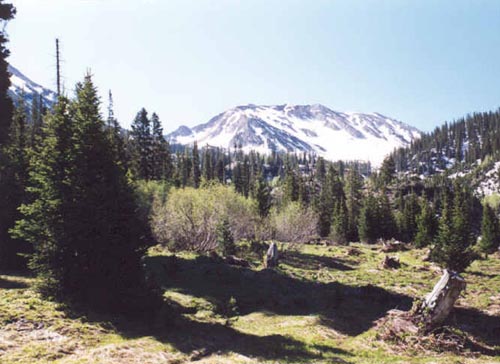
(188, 219)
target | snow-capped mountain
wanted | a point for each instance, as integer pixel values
(301, 128)
(22, 86)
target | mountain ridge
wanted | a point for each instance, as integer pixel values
(301, 128)
(23, 87)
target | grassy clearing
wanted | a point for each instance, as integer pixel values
(321, 305)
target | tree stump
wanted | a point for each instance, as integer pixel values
(271, 260)
(439, 303)
(391, 262)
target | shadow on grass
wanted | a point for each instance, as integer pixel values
(202, 339)
(480, 325)
(10, 284)
(481, 274)
(314, 262)
(348, 309)
(187, 336)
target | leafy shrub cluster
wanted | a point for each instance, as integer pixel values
(195, 219)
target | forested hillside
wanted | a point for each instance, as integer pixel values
(459, 144)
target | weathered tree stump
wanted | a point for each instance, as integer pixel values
(271, 259)
(438, 304)
(391, 262)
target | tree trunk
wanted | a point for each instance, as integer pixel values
(439, 303)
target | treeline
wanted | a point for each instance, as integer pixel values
(463, 141)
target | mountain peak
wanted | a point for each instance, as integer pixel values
(301, 128)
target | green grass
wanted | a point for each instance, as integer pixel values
(321, 305)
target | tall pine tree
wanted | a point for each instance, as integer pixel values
(142, 145)
(88, 239)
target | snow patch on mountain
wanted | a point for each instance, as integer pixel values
(301, 128)
(23, 87)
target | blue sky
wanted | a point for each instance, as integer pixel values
(422, 61)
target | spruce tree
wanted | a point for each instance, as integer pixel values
(142, 144)
(15, 174)
(387, 227)
(340, 224)
(44, 219)
(207, 170)
(160, 153)
(186, 168)
(490, 233)
(291, 186)
(426, 225)
(88, 239)
(387, 171)
(452, 247)
(7, 12)
(262, 195)
(368, 223)
(331, 191)
(10, 169)
(114, 133)
(408, 230)
(354, 199)
(219, 170)
(196, 175)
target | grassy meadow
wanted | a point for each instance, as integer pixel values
(323, 304)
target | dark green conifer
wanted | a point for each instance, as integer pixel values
(452, 247)
(142, 145)
(368, 225)
(340, 224)
(426, 225)
(196, 175)
(490, 233)
(354, 199)
(262, 195)
(88, 240)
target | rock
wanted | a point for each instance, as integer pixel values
(271, 259)
(391, 262)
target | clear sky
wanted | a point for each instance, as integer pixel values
(422, 61)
